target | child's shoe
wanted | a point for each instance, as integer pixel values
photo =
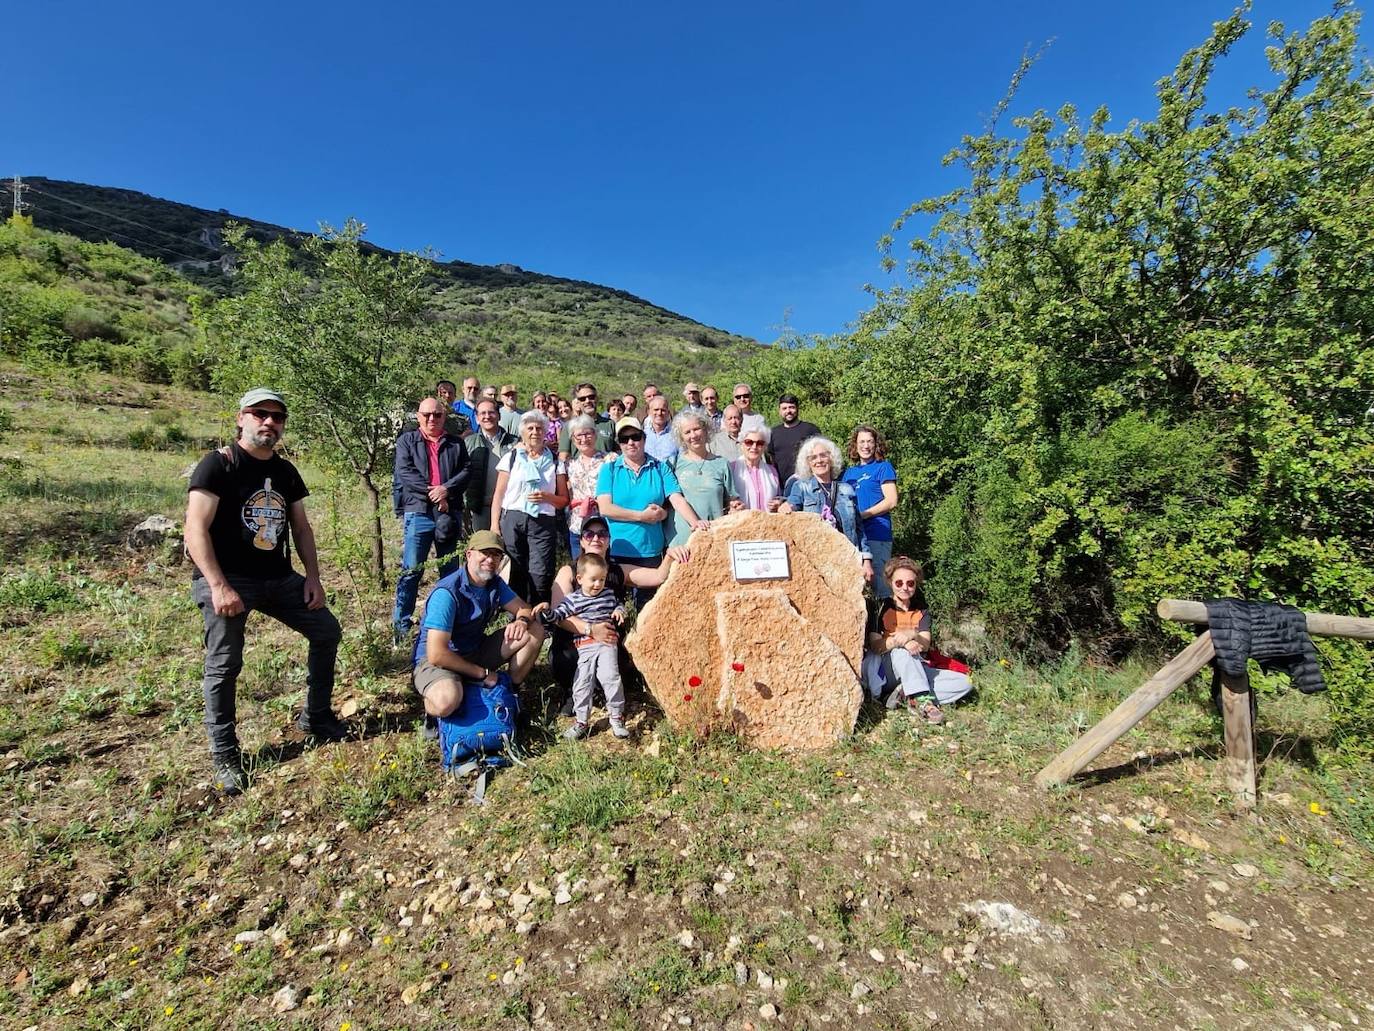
(618, 728)
(576, 732)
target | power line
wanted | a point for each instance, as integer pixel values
(111, 214)
(115, 232)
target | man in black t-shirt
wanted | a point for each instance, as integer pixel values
(786, 439)
(245, 504)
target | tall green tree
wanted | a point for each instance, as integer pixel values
(343, 333)
(1124, 363)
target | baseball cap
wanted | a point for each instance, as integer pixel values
(486, 540)
(595, 523)
(258, 395)
(629, 423)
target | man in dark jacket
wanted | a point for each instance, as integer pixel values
(485, 448)
(432, 469)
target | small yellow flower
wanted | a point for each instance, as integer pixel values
(1315, 807)
(343, 968)
(839, 773)
(238, 946)
(725, 780)
(443, 965)
(133, 949)
(386, 939)
(655, 986)
(133, 962)
(1004, 663)
(491, 977)
(167, 1011)
(208, 979)
(346, 1026)
(181, 950)
(1283, 839)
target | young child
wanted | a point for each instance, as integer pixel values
(595, 661)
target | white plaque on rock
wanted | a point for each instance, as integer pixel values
(759, 560)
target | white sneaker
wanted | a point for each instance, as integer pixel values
(618, 728)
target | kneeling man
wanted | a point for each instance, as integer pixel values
(453, 644)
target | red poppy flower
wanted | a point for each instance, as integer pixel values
(694, 681)
(738, 667)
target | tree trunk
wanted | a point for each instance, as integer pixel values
(374, 503)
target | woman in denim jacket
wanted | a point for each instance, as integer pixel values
(817, 488)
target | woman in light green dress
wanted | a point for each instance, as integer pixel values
(706, 480)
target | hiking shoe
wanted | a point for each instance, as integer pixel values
(618, 727)
(576, 732)
(230, 776)
(927, 710)
(567, 709)
(324, 727)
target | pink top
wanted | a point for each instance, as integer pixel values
(757, 485)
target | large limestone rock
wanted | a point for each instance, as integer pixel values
(776, 660)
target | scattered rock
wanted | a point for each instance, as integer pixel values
(1244, 870)
(563, 896)
(768, 1011)
(859, 990)
(1126, 900)
(152, 532)
(286, 999)
(765, 980)
(79, 986)
(248, 937)
(741, 974)
(877, 956)
(1221, 887)
(1004, 918)
(1239, 965)
(687, 940)
(1192, 840)
(410, 993)
(1230, 924)
(89, 899)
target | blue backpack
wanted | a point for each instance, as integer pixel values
(481, 730)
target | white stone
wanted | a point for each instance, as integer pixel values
(286, 998)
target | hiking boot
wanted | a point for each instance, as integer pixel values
(230, 776)
(323, 726)
(618, 727)
(576, 732)
(926, 709)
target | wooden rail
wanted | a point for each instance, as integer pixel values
(1236, 701)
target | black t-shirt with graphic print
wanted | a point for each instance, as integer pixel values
(252, 523)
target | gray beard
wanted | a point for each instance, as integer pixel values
(480, 578)
(259, 439)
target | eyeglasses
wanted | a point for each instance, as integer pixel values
(751, 443)
(587, 397)
(436, 415)
(903, 583)
(709, 397)
(267, 415)
(819, 458)
(743, 397)
(630, 438)
(595, 535)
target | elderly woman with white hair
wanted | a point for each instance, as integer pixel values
(531, 487)
(817, 488)
(582, 468)
(704, 477)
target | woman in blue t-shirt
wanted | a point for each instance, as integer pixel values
(875, 486)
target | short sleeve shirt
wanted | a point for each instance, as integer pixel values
(887, 619)
(251, 526)
(708, 487)
(652, 485)
(463, 610)
(868, 479)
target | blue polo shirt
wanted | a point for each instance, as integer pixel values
(463, 609)
(652, 485)
(868, 479)
(461, 407)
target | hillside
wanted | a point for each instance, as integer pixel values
(494, 317)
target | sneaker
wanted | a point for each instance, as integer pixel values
(230, 776)
(894, 698)
(618, 727)
(927, 710)
(324, 726)
(566, 709)
(576, 732)
(431, 728)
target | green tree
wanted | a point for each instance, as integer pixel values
(1122, 364)
(342, 332)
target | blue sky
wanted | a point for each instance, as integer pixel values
(733, 162)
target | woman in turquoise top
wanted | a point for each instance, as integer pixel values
(705, 479)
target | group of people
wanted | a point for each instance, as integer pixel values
(623, 493)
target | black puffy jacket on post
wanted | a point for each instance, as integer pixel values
(1273, 635)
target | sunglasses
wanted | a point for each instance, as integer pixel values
(435, 415)
(266, 415)
(903, 583)
(743, 397)
(595, 535)
(587, 397)
(630, 438)
(752, 443)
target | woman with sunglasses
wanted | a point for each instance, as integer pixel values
(755, 479)
(896, 647)
(595, 539)
(531, 487)
(817, 488)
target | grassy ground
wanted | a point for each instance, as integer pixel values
(657, 882)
